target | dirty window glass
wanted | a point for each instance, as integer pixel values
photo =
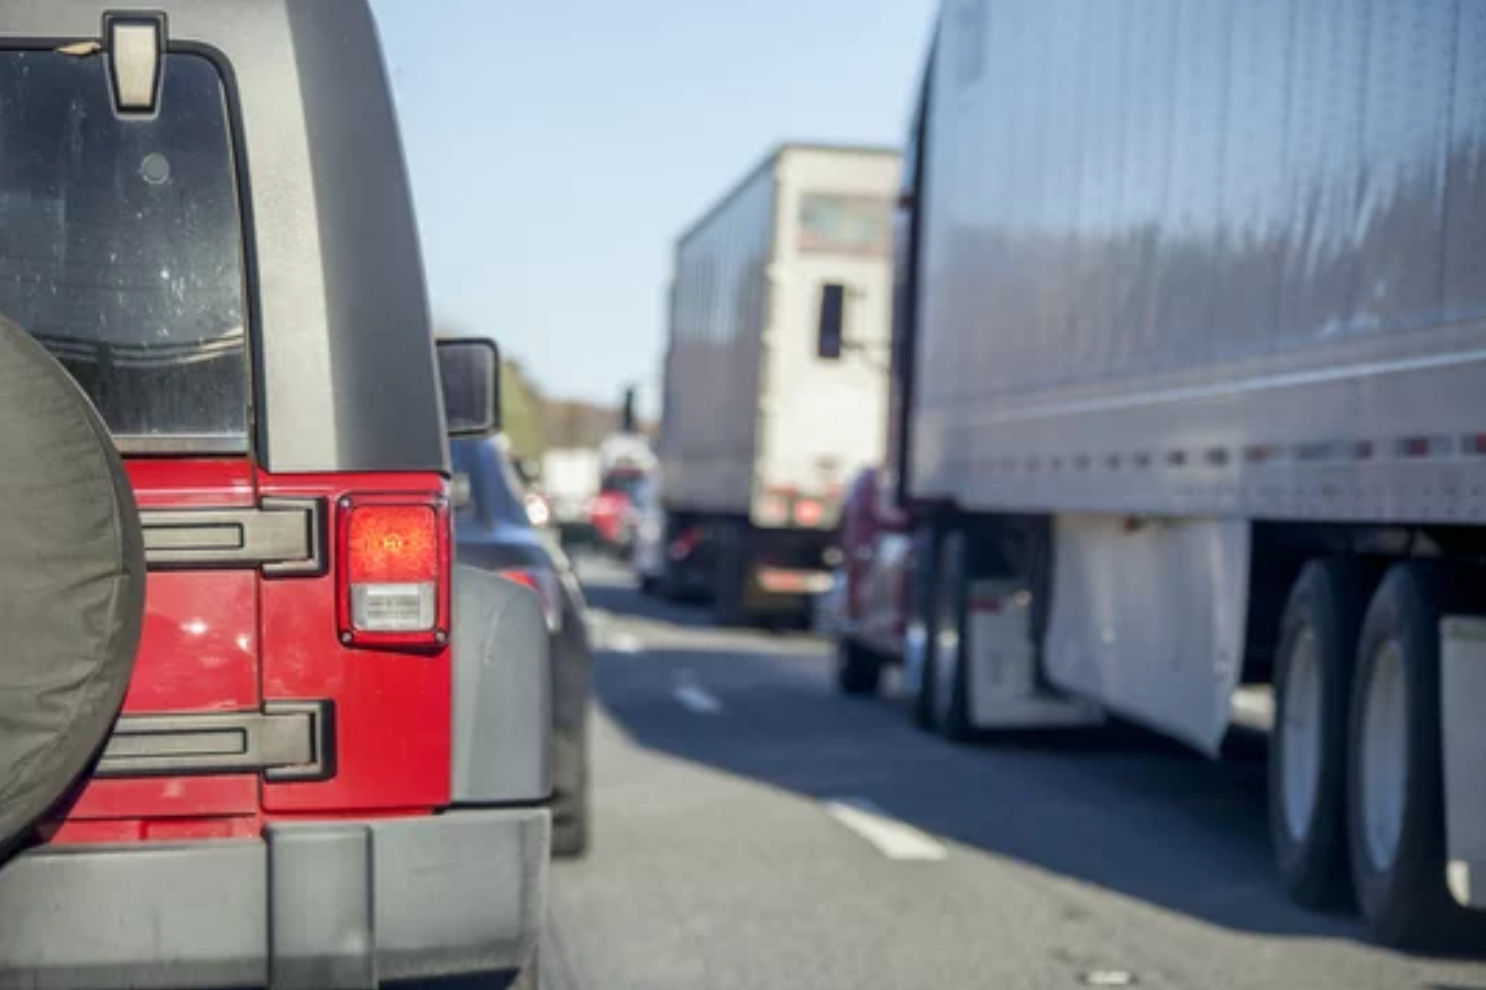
(120, 245)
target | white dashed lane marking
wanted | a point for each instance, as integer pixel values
(622, 642)
(696, 699)
(892, 838)
(692, 696)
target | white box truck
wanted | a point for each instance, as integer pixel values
(1190, 393)
(775, 374)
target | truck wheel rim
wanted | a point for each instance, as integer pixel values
(1300, 736)
(1385, 746)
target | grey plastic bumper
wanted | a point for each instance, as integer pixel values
(325, 906)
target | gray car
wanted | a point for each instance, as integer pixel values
(494, 533)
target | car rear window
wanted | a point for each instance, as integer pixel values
(121, 245)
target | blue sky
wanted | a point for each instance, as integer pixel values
(556, 148)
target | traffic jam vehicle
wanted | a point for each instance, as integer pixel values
(1188, 397)
(779, 324)
(870, 614)
(257, 728)
(494, 533)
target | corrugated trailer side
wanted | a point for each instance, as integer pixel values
(713, 358)
(1198, 399)
(1231, 263)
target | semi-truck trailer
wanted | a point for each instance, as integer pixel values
(1189, 393)
(775, 374)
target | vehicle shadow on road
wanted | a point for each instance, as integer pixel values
(1119, 808)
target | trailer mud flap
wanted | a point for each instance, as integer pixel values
(1148, 619)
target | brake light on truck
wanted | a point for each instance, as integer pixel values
(393, 572)
(808, 512)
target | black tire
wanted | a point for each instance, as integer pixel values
(925, 609)
(1319, 632)
(668, 588)
(72, 582)
(858, 669)
(950, 699)
(1404, 898)
(572, 823)
(730, 583)
(649, 584)
(572, 819)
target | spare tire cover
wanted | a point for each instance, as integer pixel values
(72, 582)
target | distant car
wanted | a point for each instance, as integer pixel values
(493, 531)
(610, 512)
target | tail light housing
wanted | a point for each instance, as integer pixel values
(393, 571)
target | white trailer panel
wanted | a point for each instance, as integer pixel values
(1218, 259)
(712, 372)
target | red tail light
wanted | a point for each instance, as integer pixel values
(392, 559)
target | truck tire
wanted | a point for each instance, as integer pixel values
(1395, 793)
(948, 655)
(1308, 748)
(72, 583)
(730, 583)
(858, 669)
(923, 613)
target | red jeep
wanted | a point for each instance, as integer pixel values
(329, 765)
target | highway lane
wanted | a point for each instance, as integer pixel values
(755, 829)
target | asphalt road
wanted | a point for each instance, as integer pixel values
(754, 829)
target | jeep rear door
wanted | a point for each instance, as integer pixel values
(122, 250)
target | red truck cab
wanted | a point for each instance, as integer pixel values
(877, 558)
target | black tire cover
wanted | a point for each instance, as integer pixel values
(72, 583)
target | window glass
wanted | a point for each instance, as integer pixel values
(121, 245)
(835, 224)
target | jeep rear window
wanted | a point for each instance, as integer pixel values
(121, 245)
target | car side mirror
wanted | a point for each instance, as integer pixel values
(469, 370)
